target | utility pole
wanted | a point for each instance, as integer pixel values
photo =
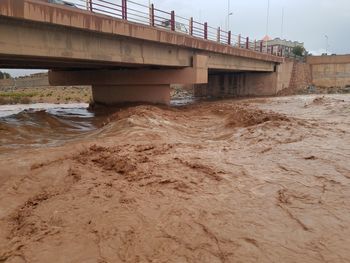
(267, 23)
(267, 17)
(282, 24)
(229, 13)
(149, 10)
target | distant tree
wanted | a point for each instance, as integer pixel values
(4, 75)
(299, 51)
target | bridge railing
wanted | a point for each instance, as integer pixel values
(133, 11)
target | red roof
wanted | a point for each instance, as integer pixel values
(266, 38)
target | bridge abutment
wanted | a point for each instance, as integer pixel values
(236, 84)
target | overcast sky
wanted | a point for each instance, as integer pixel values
(307, 21)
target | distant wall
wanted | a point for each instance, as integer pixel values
(25, 82)
(330, 71)
(6, 83)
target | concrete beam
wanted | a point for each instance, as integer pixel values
(230, 63)
(191, 75)
(128, 77)
(30, 41)
(109, 95)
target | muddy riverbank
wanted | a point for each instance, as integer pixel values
(252, 180)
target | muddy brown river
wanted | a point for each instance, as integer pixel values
(251, 180)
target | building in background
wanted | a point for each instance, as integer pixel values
(278, 46)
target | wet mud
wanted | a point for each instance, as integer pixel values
(254, 180)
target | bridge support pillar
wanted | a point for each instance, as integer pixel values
(118, 94)
(115, 86)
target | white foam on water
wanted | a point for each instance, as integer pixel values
(7, 110)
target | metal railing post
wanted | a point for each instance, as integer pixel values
(90, 5)
(255, 45)
(124, 10)
(247, 43)
(261, 46)
(218, 35)
(191, 26)
(205, 30)
(172, 21)
(152, 15)
(239, 40)
(272, 50)
(229, 38)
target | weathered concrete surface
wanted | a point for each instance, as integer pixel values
(36, 45)
(330, 71)
(116, 94)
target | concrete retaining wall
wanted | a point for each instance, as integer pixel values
(330, 71)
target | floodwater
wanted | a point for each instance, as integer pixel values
(40, 125)
(46, 124)
(249, 180)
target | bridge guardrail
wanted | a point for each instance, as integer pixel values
(150, 15)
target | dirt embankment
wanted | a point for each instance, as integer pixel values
(45, 94)
(69, 94)
(259, 180)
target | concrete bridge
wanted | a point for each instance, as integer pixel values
(128, 61)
